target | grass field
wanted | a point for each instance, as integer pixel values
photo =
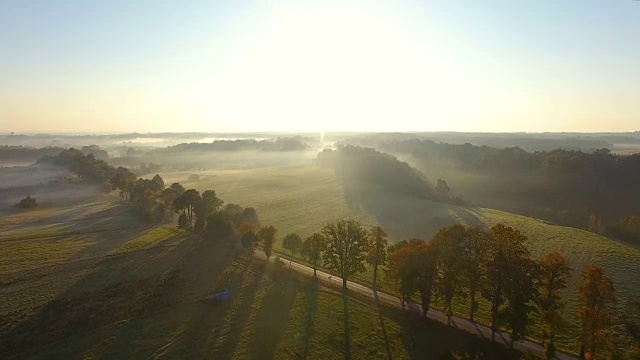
(73, 288)
(303, 198)
(86, 278)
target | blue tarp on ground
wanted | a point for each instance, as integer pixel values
(218, 297)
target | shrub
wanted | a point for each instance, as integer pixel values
(27, 203)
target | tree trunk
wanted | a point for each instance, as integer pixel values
(473, 302)
(375, 275)
(314, 270)
(347, 338)
(494, 312)
(449, 312)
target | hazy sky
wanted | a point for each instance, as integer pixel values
(542, 65)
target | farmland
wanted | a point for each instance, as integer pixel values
(73, 288)
(303, 198)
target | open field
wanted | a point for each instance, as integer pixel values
(304, 198)
(74, 288)
(92, 245)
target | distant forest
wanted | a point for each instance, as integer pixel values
(31, 154)
(595, 191)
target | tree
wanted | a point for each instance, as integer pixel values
(169, 195)
(312, 249)
(292, 242)
(207, 205)
(123, 180)
(521, 292)
(157, 184)
(347, 248)
(596, 297)
(449, 252)
(28, 203)
(507, 254)
(554, 273)
(378, 251)
(425, 261)
(186, 202)
(403, 269)
(183, 222)
(249, 241)
(442, 187)
(475, 251)
(268, 236)
(219, 226)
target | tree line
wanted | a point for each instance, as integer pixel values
(563, 186)
(203, 213)
(469, 263)
(365, 171)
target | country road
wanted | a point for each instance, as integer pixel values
(458, 322)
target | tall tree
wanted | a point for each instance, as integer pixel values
(267, 235)
(157, 184)
(425, 261)
(475, 251)
(249, 241)
(554, 273)
(505, 252)
(521, 292)
(292, 242)
(123, 180)
(448, 247)
(312, 249)
(207, 205)
(170, 194)
(347, 248)
(186, 202)
(378, 251)
(596, 297)
(403, 268)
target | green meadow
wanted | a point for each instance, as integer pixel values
(304, 198)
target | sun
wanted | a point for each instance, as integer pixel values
(333, 67)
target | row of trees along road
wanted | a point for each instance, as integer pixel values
(468, 263)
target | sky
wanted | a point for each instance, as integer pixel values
(80, 66)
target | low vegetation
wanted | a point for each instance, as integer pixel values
(27, 203)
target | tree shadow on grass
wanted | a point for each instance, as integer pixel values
(236, 321)
(311, 304)
(428, 339)
(271, 321)
(384, 329)
(110, 294)
(407, 217)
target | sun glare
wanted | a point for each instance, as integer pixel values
(313, 68)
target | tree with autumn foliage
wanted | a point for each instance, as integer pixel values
(597, 294)
(450, 276)
(425, 262)
(554, 273)
(509, 281)
(403, 269)
(475, 247)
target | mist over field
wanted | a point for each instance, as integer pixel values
(68, 201)
(311, 179)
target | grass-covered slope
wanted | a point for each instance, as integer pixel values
(304, 198)
(73, 288)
